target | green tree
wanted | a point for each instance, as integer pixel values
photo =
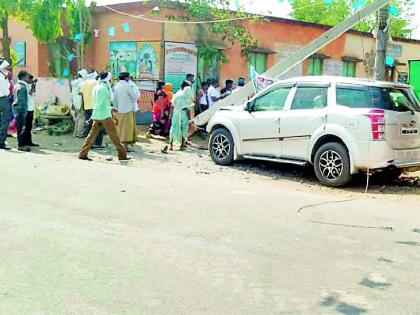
(55, 23)
(80, 21)
(331, 14)
(232, 30)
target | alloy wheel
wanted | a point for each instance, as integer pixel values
(221, 146)
(331, 165)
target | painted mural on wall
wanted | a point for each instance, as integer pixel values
(141, 59)
(148, 60)
(123, 57)
(180, 60)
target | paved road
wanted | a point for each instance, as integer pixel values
(156, 238)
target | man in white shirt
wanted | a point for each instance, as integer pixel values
(4, 104)
(126, 95)
(29, 120)
(79, 120)
(213, 92)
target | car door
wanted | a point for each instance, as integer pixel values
(306, 114)
(260, 131)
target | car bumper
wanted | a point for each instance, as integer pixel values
(379, 155)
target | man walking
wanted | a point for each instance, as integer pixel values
(86, 91)
(20, 108)
(102, 118)
(4, 104)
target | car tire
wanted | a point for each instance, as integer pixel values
(332, 165)
(221, 147)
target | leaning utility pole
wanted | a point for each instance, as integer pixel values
(382, 43)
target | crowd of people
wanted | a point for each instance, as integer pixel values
(17, 105)
(102, 108)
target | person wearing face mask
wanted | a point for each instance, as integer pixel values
(4, 104)
(102, 118)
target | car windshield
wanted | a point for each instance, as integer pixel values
(400, 100)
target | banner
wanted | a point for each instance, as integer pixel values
(260, 82)
(123, 57)
(148, 60)
(180, 60)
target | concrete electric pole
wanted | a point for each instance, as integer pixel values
(382, 43)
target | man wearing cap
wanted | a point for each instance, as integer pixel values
(102, 118)
(4, 104)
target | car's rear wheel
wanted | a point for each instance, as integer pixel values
(221, 147)
(332, 165)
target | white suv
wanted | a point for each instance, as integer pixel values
(339, 125)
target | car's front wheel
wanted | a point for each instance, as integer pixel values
(332, 165)
(221, 147)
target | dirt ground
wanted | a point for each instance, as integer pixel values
(197, 158)
(176, 234)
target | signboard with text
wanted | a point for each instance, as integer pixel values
(180, 60)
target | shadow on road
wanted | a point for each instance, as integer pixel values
(379, 184)
(342, 307)
(375, 284)
(409, 243)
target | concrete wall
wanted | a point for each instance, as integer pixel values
(36, 53)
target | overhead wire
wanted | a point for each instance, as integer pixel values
(252, 16)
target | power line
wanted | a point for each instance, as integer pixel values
(141, 17)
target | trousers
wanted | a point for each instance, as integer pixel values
(79, 123)
(4, 119)
(20, 127)
(27, 133)
(87, 127)
(111, 130)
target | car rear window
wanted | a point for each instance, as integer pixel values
(400, 100)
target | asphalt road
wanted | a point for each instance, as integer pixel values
(164, 236)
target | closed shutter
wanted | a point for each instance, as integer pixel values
(315, 66)
(349, 69)
(258, 61)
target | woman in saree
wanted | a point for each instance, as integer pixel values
(160, 115)
(181, 104)
(166, 119)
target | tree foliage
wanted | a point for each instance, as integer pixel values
(44, 19)
(217, 10)
(332, 14)
(80, 22)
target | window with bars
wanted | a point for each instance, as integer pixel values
(349, 69)
(258, 60)
(315, 66)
